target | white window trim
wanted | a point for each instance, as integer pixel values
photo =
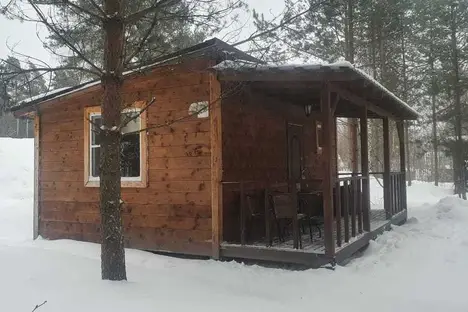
(142, 179)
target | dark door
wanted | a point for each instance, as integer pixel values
(295, 145)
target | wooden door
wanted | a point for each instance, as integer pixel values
(295, 152)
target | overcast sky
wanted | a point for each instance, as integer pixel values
(23, 36)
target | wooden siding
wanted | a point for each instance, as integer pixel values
(173, 213)
(255, 147)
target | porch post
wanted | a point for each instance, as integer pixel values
(328, 170)
(365, 171)
(216, 166)
(386, 177)
(37, 163)
(402, 139)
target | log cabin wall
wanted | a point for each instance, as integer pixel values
(255, 148)
(173, 213)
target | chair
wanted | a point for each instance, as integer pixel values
(284, 210)
(255, 209)
(312, 207)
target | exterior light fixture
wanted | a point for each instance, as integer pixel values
(308, 109)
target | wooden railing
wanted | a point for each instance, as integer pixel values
(351, 207)
(397, 198)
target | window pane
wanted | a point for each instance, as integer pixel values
(95, 159)
(96, 120)
(130, 155)
(133, 125)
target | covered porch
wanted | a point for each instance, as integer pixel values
(279, 195)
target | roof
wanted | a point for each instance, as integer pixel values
(215, 49)
(343, 73)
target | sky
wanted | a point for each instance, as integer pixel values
(23, 35)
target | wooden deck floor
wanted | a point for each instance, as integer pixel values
(317, 244)
(313, 253)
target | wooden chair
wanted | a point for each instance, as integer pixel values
(312, 208)
(284, 209)
(255, 210)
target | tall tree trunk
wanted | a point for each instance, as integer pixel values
(408, 157)
(457, 100)
(435, 143)
(405, 98)
(112, 247)
(353, 124)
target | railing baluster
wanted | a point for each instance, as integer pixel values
(392, 192)
(395, 194)
(267, 218)
(359, 204)
(338, 213)
(400, 192)
(243, 219)
(353, 207)
(346, 210)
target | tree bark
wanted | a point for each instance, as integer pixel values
(435, 142)
(112, 247)
(353, 122)
(457, 100)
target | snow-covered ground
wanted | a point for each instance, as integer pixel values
(420, 266)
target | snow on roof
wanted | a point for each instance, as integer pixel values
(45, 94)
(222, 47)
(243, 65)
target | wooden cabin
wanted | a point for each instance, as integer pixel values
(238, 159)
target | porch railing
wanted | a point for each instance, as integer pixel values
(351, 207)
(397, 191)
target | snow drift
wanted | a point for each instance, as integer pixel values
(420, 266)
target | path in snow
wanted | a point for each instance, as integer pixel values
(416, 267)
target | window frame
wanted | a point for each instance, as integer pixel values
(127, 182)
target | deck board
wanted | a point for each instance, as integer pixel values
(317, 245)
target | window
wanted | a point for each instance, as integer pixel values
(132, 148)
(200, 109)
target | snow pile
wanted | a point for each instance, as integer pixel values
(16, 188)
(418, 267)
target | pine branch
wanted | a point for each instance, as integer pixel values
(38, 306)
(128, 120)
(79, 8)
(55, 31)
(143, 41)
(97, 7)
(280, 25)
(132, 18)
(45, 69)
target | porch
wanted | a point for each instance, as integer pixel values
(280, 196)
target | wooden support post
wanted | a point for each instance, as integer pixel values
(295, 223)
(216, 166)
(338, 213)
(267, 217)
(37, 162)
(387, 182)
(353, 134)
(354, 196)
(243, 219)
(402, 138)
(359, 205)
(346, 210)
(365, 171)
(328, 170)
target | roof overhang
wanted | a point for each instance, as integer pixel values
(346, 80)
(213, 49)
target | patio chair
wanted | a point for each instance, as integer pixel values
(284, 209)
(312, 207)
(255, 210)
